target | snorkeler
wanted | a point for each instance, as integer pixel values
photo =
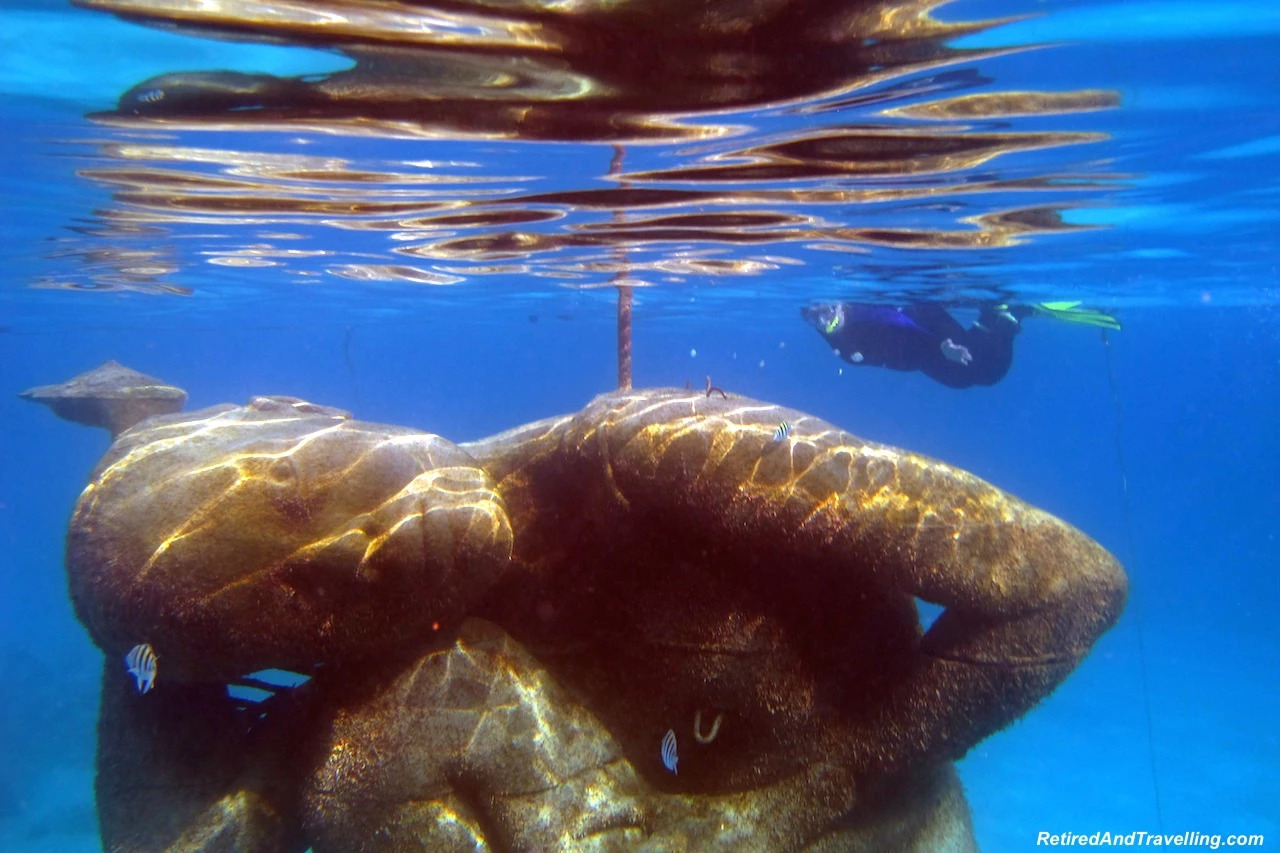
(925, 337)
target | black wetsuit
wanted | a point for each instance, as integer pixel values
(911, 338)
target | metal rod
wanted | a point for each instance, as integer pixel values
(624, 290)
(624, 337)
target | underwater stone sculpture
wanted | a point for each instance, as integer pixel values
(678, 558)
(679, 564)
(475, 747)
(279, 534)
(111, 396)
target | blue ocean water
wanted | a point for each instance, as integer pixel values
(1160, 443)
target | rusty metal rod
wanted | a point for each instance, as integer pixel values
(624, 290)
(624, 337)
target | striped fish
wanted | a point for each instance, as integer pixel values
(141, 662)
(669, 757)
(782, 432)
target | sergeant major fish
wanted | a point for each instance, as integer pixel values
(669, 757)
(141, 662)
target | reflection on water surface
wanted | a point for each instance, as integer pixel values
(715, 140)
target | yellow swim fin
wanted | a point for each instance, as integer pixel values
(1071, 312)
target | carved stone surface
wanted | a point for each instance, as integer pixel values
(680, 560)
(240, 538)
(502, 635)
(111, 396)
(471, 747)
(475, 747)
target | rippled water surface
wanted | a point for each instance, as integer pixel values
(953, 151)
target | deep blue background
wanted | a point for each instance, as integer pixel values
(1198, 388)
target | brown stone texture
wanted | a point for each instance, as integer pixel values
(111, 396)
(180, 771)
(279, 535)
(679, 561)
(471, 747)
(502, 633)
(475, 747)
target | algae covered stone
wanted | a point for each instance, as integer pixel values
(476, 747)
(681, 563)
(112, 396)
(279, 535)
(502, 635)
(471, 747)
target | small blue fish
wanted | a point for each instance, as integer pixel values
(152, 96)
(782, 432)
(141, 662)
(669, 757)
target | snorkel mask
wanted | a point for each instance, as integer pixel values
(836, 320)
(826, 318)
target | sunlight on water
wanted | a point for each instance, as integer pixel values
(806, 142)
(546, 147)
